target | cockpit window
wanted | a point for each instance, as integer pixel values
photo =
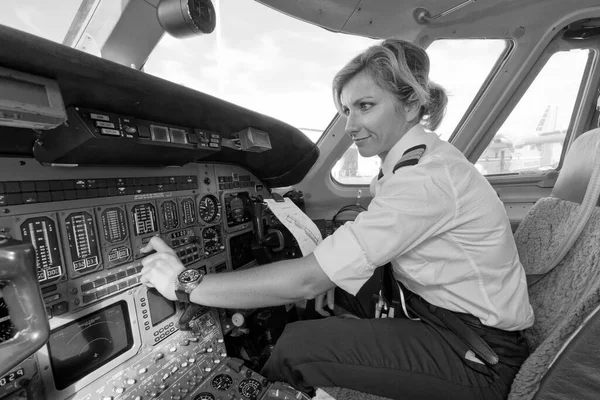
(262, 60)
(531, 139)
(49, 19)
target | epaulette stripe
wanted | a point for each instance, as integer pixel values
(410, 157)
(406, 163)
(421, 147)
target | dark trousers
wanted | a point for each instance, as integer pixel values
(396, 358)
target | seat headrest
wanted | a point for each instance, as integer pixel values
(577, 169)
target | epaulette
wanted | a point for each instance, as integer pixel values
(410, 157)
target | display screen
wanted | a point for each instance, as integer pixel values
(160, 307)
(86, 344)
(238, 208)
(23, 92)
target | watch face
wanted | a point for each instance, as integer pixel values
(189, 276)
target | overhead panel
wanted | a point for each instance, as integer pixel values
(331, 15)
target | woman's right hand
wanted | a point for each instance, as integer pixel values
(328, 296)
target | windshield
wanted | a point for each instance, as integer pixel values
(48, 19)
(256, 57)
(262, 60)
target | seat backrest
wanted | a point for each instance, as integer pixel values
(563, 299)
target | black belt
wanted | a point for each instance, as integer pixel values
(434, 315)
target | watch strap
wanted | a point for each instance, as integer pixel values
(182, 296)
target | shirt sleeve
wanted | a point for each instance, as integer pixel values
(411, 206)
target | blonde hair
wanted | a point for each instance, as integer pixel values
(402, 69)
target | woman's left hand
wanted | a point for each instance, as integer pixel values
(328, 296)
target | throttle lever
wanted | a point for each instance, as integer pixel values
(22, 295)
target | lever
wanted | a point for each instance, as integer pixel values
(258, 208)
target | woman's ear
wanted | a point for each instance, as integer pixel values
(412, 111)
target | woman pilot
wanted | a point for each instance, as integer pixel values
(452, 278)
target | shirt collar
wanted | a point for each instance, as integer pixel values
(415, 136)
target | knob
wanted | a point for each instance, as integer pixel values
(130, 381)
(194, 339)
(209, 350)
(174, 369)
(238, 319)
(248, 373)
(158, 357)
(153, 394)
(183, 390)
(142, 371)
(119, 390)
(138, 398)
(184, 364)
(223, 354)
(207, 369)
(184, 342)
(207, 180)
(191, 360)
(173, 349)
(175, 397)
(107, 398)
(165, 376)
(219, 340)
(217, 361)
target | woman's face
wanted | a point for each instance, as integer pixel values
(375, 121)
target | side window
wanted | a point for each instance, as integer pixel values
(531, 139)
(461, 67)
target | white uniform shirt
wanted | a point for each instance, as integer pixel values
(445, 232)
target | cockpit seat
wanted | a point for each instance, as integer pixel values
(565, 338)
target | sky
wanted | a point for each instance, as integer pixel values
(277, 65)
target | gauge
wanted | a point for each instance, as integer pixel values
(222, 382)
(211, 237)
(169, 215)
(188, 211)
(208, 208)
(144, 219)
(7, 329)
(250, 388)
(204, 396)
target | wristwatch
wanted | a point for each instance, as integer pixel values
(186, 282)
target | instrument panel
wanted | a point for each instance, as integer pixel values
(87, 233)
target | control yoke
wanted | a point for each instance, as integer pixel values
(273, 239)
(21, 293)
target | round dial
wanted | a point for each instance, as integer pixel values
(7, 329)
(222, 382)
(250, 388)
(212, 240)
(204, 396)
(208, 208)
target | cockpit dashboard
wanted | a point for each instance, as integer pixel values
(112, 337)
